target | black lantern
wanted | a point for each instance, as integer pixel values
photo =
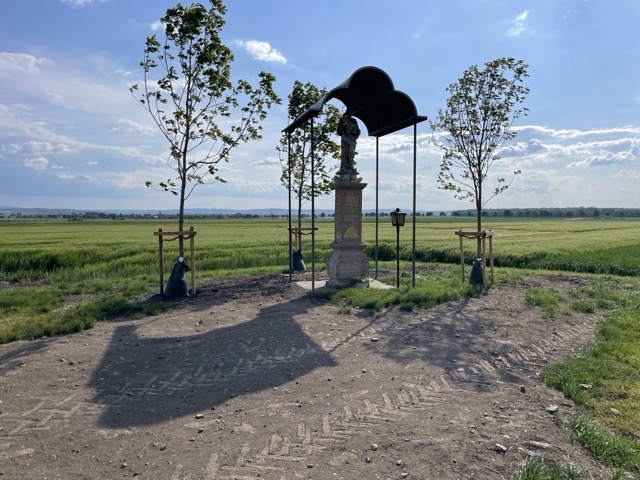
(397, 220)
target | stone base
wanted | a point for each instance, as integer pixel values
(347, 265)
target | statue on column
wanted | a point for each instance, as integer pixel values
(349, 132)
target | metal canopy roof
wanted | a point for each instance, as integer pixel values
(370, 96)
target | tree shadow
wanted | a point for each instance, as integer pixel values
(464, 342)
(16, 355)
(145, 381)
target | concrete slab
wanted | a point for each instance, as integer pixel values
(321, 285)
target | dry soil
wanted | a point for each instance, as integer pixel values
(253, 378)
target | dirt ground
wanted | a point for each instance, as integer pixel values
(253, 378)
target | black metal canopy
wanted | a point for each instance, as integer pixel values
(370, 96)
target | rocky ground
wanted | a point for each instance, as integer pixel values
(253, 378)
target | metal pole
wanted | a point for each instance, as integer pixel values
(377, 183)
(413, 247)
(290, 243)
(192, 235)
(397, 256)
(313, 216)
(160, 262)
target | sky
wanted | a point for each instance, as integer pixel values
(72, 135)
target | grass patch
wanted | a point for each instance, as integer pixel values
(583, 306)
(612, 450)
(608, 295)
(368, 298)
(43, 320)
(540, 469)
(605, 379)
(442, 285)
(548, 299)
(29, 301)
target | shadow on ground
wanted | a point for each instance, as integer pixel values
(453, 336)
(144, 381)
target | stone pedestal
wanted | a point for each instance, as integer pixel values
(347, 264)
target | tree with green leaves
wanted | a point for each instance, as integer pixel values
(325, 148)
(473, 128)
(195, 90)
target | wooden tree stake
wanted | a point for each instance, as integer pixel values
(190, 234)
(482, 235)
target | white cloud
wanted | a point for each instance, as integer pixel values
(79, 178)
(135, 179)
(404, 184)
(66, 176)
(35, 147)
(627, 175)
(264, 185)
(38, 163)
(518, 149)
(157, 25)
(10, 148)
(419, 34)
(15, 122)
(566, 167)
(82, 3)
(262, 51)
(519, 23)
(575, 148)
(67, 82)
(397, 148)
(266, 162)
(574, 133)
(129, 126)
(20, 64)
(606, 159)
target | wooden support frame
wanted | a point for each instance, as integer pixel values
(298, 232)
(302, 231)
(483, 235)
(190, 234)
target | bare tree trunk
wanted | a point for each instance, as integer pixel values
(181, 224)
(299, 235)
(183, 190)
(478, 226)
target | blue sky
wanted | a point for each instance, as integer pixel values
(72, 136)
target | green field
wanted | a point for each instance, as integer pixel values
(110, 264)
(117, 261)
(92, 250)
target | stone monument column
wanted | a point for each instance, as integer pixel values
(347, 264)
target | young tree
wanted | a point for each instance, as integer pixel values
(325, 148)
(193, 91)
(474, 126)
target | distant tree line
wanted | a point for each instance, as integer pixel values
(574, 212)
(78, 216)
(577, 212)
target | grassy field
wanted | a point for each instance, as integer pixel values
(93, 249)
(111, 263)
(73, 274)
